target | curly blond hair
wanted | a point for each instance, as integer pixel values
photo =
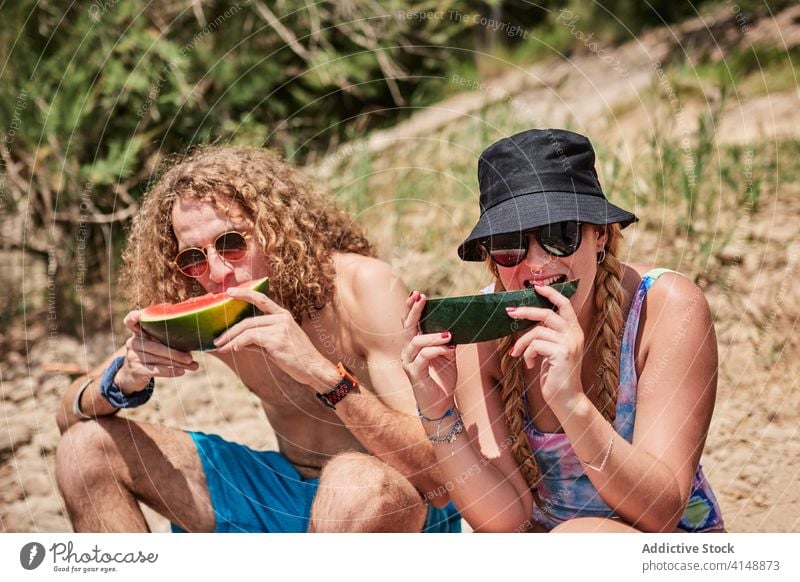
(295, 225)
(609, 297)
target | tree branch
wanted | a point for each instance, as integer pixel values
(118, 216)
(287, 35)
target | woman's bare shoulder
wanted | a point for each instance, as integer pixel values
(674, 307)
(633, 273)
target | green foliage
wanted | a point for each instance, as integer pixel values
(622, 19)
(95, 96)
(745, 72)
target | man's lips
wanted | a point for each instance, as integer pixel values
(221, 288)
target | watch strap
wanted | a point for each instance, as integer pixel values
(346, 384)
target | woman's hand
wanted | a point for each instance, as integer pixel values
(146, 358)
(558, 340)
(429, 362)
(277, 335)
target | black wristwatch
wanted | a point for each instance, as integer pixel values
(346, 384)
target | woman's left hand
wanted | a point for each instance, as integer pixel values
(558, 340)
(275, 334)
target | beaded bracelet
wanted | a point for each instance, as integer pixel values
(449, 436)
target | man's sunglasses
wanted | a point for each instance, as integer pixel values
(560, 239)
(230, 246)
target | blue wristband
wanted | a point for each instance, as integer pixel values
(112, 393)
(449, 412)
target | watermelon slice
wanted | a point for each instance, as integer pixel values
(194, 324)
(479, 318)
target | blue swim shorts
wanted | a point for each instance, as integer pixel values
(261, 491)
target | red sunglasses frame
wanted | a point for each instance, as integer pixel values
(245, 237)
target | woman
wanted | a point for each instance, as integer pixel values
(595, 418)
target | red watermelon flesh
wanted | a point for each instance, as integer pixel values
(194, 324)
(167, 310)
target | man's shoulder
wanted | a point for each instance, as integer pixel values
(367, 288)
(354, 260)
(359, 274)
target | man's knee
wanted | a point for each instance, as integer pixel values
(79, 446)
(359, 492)
(593, 525)
(87, 455)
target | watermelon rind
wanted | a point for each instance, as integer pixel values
(198, 327)
(480, 318)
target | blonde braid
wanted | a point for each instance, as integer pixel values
(511, 387)
(608, 299)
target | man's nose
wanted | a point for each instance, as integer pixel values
(218, 268)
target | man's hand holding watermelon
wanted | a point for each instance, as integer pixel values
(146, 358)
(277, 335)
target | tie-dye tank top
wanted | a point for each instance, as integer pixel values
(565, 492)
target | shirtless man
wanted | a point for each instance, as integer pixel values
(215, 219)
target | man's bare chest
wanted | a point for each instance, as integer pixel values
(278, 390)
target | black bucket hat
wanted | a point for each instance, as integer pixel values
(538, 177)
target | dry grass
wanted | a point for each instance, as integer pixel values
(692, 194)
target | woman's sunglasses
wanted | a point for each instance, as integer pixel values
(560, 239)
(230, 246)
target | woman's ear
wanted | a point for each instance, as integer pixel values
(601, 237)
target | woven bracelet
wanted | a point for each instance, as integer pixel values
(424, 418)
